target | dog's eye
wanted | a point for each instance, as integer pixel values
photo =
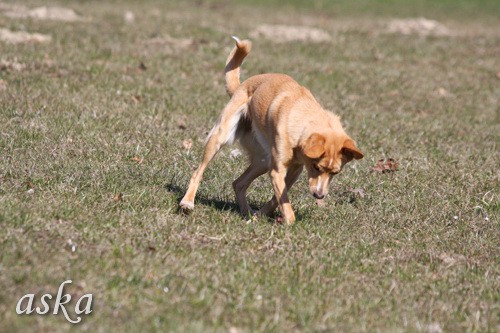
(316, 167)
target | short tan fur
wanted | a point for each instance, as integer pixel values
(283, 129)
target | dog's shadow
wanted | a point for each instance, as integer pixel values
(216, 203)
(222, 205)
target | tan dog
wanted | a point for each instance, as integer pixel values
(283, 129)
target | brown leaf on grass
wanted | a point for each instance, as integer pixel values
(118, 197)
(182, 125)
(385, 166)
(3, 85)
(142, 66)
(187, 144)
(137, 99)
(137, 159)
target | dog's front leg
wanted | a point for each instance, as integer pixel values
(278, 174)
(292, 176)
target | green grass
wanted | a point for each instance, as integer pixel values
(339, 8)
(419, 252)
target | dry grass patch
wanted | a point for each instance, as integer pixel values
(288, 33)
(18, 37)
(41, 13)
(418, 26)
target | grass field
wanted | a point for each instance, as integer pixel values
(94, 128)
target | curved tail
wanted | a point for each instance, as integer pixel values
(233, 63)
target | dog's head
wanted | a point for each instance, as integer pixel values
(324, 157)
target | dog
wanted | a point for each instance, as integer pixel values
(283, 129)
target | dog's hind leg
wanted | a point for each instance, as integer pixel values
(259, 164)
(256, 168)
(223, 132)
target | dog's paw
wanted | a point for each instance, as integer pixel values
(186, 206)
(284, 221)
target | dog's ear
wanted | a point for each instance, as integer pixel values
(350, 150)
(314, 146)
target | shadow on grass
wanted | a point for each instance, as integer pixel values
(224, 205)
(218, 204)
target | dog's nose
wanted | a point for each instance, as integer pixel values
(318, 196)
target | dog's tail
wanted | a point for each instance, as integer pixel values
(233, 63)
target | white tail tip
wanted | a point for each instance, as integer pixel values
(236, 39)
